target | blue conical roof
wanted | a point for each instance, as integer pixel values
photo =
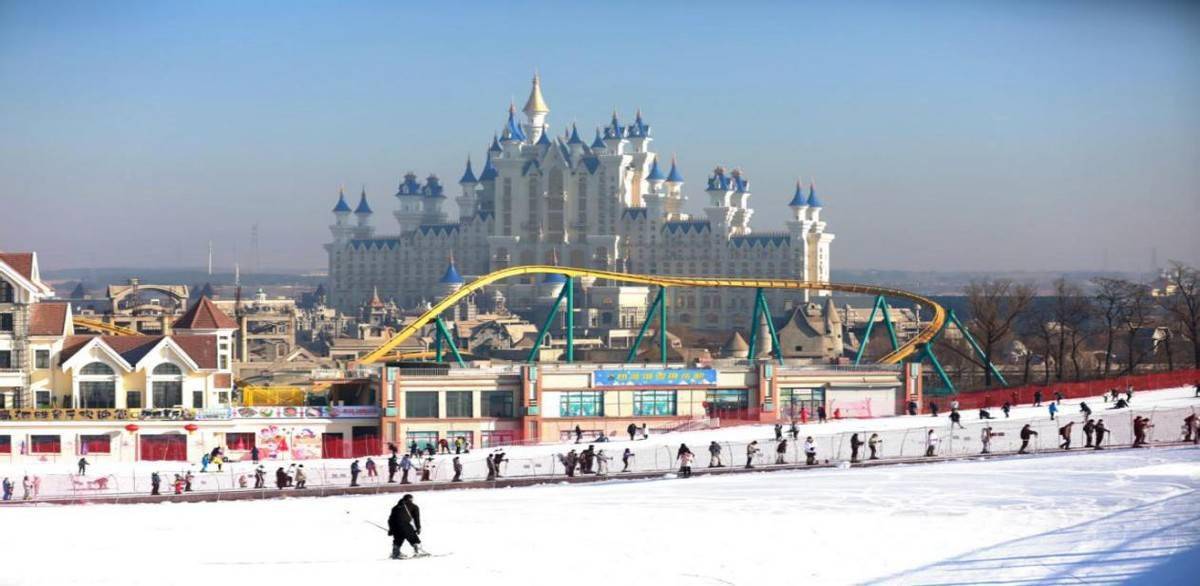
(363, 208)
(798, 200)
(544, 140)
(813, 202)
(574, 136)
(512, 128)
(451, 277)
(495, 148)
(674, 176)
(599, 142)
(656, 174)
(468, 175)
(341, 206)
(489, 171)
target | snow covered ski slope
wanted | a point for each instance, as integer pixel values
(1094, 517)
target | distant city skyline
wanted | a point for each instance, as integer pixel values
(941, 136)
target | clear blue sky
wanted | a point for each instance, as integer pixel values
(956, 135)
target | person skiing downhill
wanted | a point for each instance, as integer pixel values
(404, 524)
(1053, 407)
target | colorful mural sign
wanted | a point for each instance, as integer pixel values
(655, 377)
(272, 442)
(306, 444)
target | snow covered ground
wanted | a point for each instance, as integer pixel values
(902, 436)
(1094, 517)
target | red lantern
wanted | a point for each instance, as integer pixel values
(132, 427)
(191, 427)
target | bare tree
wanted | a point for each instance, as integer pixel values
(1136, 315)
(1110, 300)
(1182, 302)
(995, 305)
(1071, 310)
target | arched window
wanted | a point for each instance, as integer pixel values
(97, 386)
(167, 369)
(97, 369)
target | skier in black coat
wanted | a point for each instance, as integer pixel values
(933, 408)
(354, 470)
(632, 430)
(578, 434)
(457, 470)
(955, 419)
(855, 444)
(778, 432)
(155, 481)
(405, 515)
(1006, 407)
(1089, 428)
(1101, 431)
(393, 467)
(1026, 433)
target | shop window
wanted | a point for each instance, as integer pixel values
(654, 403)
(197, 399)
(458, 404)
(45, 444)
(6, 322)
(497, 403)
(421, 404)
(95, 444)
(239, 441)
(423, 439)
(582, 404)
(498, 438)
(133, 399)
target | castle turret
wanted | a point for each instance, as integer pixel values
(814, 205)
(363, 214)
(574, 143)
(467, 201)
(639, 134)
(674, 183)
(741, 203)
(614, 135)
(411, 208)
(720, 193)
(341, 228)
(655, 197)
(536, 111)
(432, 198)
(799, 204)
(451, 281)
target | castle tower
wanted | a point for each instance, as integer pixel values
(341, 229)
(410, 211)
(536, 111)
(741, 203)
(467, 201)
(363, 214)
(614, 136)
(674, 183)
(720, 212)
(656, 196)
(451, 281)
(432, 198)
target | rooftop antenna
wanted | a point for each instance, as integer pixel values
(210, 258)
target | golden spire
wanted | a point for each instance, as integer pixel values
(536, 104)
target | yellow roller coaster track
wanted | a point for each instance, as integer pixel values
(923, 337)
(104, 328)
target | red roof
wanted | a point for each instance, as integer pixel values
(204, 315)
(201, 349)
(22, 262)
(48, 319)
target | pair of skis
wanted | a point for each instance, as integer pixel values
(411, 557)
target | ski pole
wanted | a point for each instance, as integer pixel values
(375, 524)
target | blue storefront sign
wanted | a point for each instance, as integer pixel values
(655, 377)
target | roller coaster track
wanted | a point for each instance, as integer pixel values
(923, 337)
(104, 328)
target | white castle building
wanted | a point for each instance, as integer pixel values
(613, 204)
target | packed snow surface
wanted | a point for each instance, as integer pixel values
(1095, 517)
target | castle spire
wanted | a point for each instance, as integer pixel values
(536, 104)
